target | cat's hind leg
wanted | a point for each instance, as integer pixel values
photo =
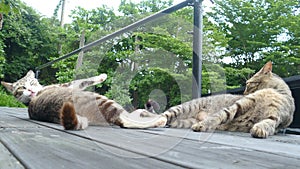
(226, 115)
(190, 121)
(84, 83)
(263, 129)
(70, 120)
(267, 126)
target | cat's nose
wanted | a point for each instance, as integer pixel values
(32, 92)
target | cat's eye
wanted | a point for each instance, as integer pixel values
(22, 88)
(18, 93)
(253, 83)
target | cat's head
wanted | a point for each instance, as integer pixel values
(25, 88)
(264, 78)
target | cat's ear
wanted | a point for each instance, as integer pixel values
(8, 86)
(267, 68)
(31, 74)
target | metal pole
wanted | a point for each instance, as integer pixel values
(197, 49)
(37, 74)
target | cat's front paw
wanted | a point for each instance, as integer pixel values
(258, 131)
(162, 122)
(199, 127)
(82, 123)
(203, 127)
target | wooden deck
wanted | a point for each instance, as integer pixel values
(31, 144)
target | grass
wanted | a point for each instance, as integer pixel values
(7, 100)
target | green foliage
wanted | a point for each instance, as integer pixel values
(2, 57)
(254, 32)
(7, 6)
(166, 42)
(152, 58)
(119, 89)
(170, 85)
(28, 41)
(8, 100)
(213, 78)
(55, 13)
(129, 8)
(237, 77)
(91, 20)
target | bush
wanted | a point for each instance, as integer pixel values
(8, 100)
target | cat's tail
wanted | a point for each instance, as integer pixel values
(70, 120)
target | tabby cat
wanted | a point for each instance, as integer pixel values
(266, 107)
(76, 109)
(28, 86)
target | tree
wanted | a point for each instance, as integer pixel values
(26, 40)
(254, 30)
(128, 8)
(89, 21)
(164, 44)
(5, 7)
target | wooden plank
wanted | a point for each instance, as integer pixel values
(7, 160)
(10, 110)
(187, 152)
(278, 144)
(66, 152)
(40, 147)
(285, 145)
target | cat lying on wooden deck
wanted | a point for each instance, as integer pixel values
(266, 107)
(74, 108)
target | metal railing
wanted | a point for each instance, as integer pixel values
(197, 40)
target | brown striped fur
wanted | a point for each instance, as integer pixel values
(189, 113)
(76, 109)
(266, 107)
